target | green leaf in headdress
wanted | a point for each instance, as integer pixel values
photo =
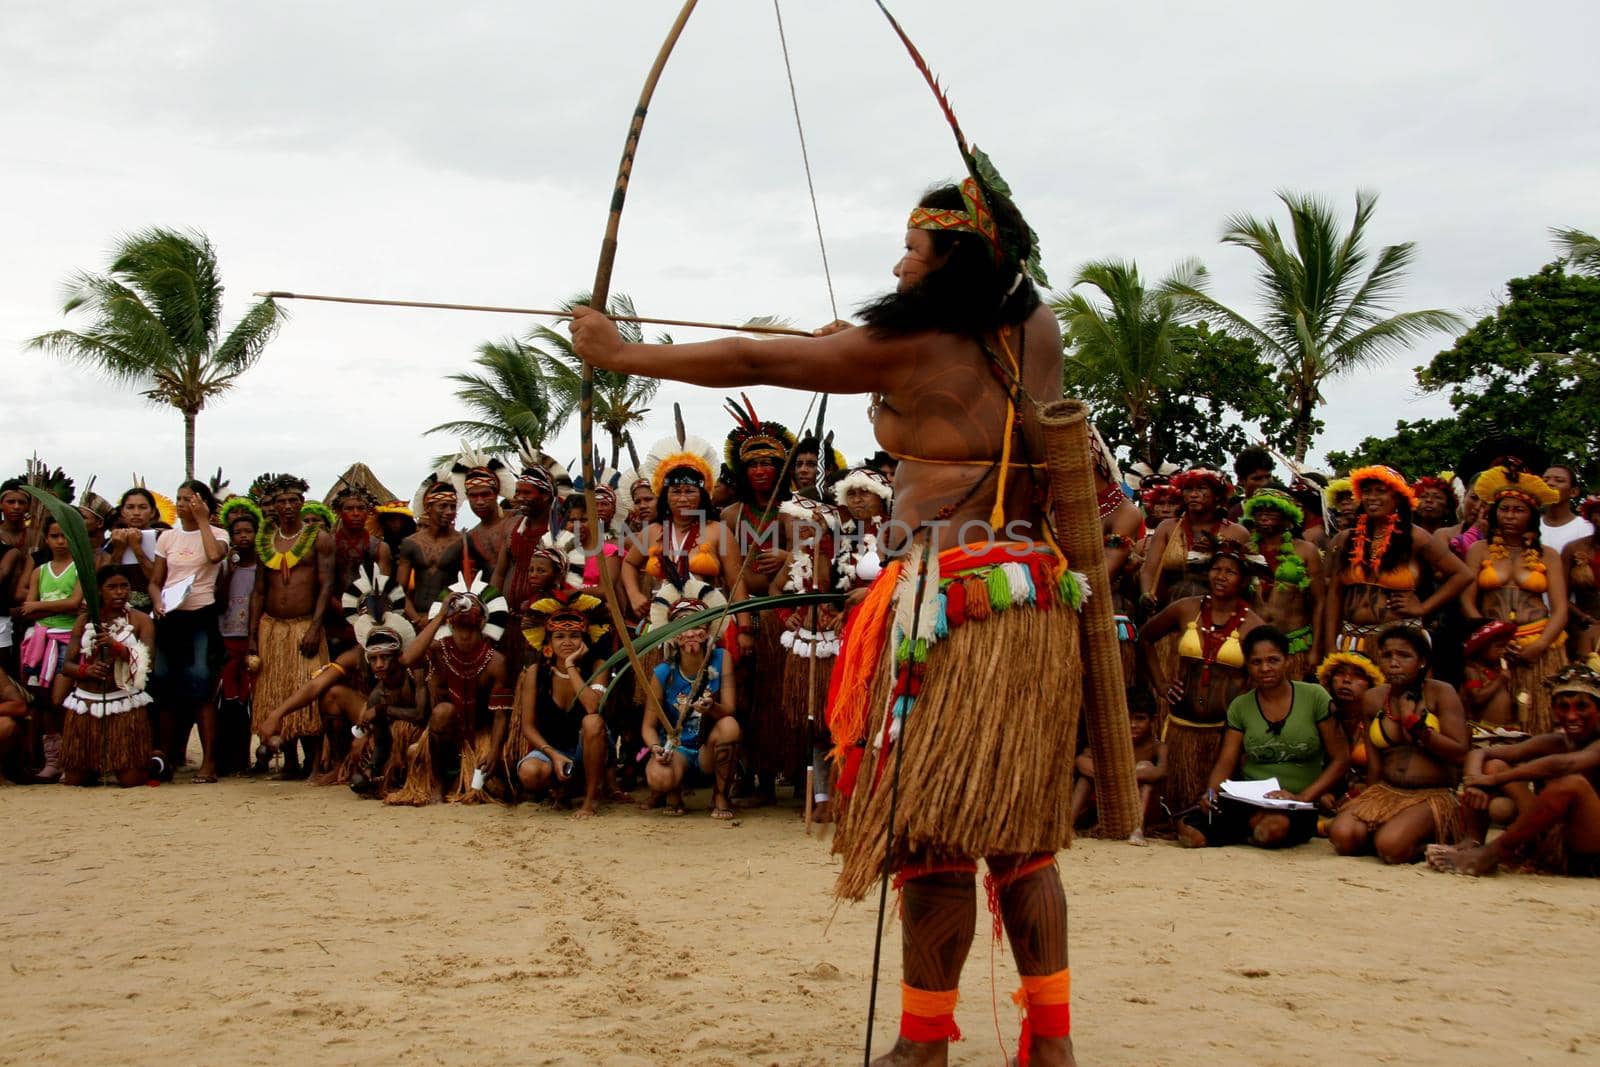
(989, 177)
(71, 523)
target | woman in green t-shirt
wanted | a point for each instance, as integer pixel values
(1280, 729)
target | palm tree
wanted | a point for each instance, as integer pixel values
(1124, 351)
(1580, 250)
(1324, 312)
(620, 400)
(509, 400)
(157, 323)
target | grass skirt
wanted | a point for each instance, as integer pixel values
(774, 739)
(1529, 678)
(1377, 804)
(805, 695)
(284, 670)
(986, 754)
(1191, 753)
(108, 745)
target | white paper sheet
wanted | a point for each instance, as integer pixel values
(172, 596)
(147, 541)
(1255, 793)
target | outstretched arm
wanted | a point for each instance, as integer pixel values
(849, 361)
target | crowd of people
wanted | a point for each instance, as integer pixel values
(1409, 661)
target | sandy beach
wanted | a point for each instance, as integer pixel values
(267, 922)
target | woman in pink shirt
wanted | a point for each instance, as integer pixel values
(183, 587)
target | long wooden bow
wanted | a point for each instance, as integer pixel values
(601, 291)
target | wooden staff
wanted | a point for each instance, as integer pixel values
(749, 327)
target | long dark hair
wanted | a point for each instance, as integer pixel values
(203, 491)
(155, 510)
(1531, 533)
(969, 295)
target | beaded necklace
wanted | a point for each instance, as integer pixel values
(1213, 636)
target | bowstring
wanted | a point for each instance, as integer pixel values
(805, 159)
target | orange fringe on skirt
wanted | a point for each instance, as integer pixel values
(1534, 716)
(986, 767)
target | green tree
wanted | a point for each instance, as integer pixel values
(157, 325)
(1160, 389)
(620, 400)
(1579, 250)
(1324, 312)
(1532, 369)
(508, 398)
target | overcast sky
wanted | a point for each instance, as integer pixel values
(466, 152)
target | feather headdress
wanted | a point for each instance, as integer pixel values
(691, 457)
(496, 611)
(373, 604)
(473, 467)
(673, 601)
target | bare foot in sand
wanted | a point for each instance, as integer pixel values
(1476, 861)
(588, 811)
(915, 1054)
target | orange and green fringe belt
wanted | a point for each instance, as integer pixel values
(975, 582)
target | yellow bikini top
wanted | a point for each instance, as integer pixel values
(1231, 654)
(1381, 739)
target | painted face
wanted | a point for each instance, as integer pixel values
(692, 641)
(1349, 685)
(863, 504)
(919, 261)
(1513, 516)
(1432, 505)
(114, 592)
(1266, 665)
(1577, 715)
(465, 614)
(605, 507)
(530, 499)
(1377, 499)
(353, 515)
(441, 511)
(1269, 522)
(481, 499)
(762, 474)
(1226, 578)
(805, 470)
(242, 533)
(541, 572)
(1255, 480)
(1200, 499)
(1399, 662)
(684, 500)
(137, 514)
(286, 507)
(14, 505)
(1164, 509)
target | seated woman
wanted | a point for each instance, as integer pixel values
(1347, 676)
(1149, 767)
(558, 707)
(697, 695)
(1281, 729)
(1522, 581)
(107, 730)
(13, 725)
(1566, 763)
(1210, 670)
(1415, 745)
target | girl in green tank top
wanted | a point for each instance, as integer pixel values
(53, 587)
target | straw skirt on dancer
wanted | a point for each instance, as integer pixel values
(284, 670)
(105, 733)
(983, 753)
(774, 731)
(1533, 712)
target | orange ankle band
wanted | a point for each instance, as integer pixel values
(1042, 989)
(928, 1014)
(1047, 1009)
